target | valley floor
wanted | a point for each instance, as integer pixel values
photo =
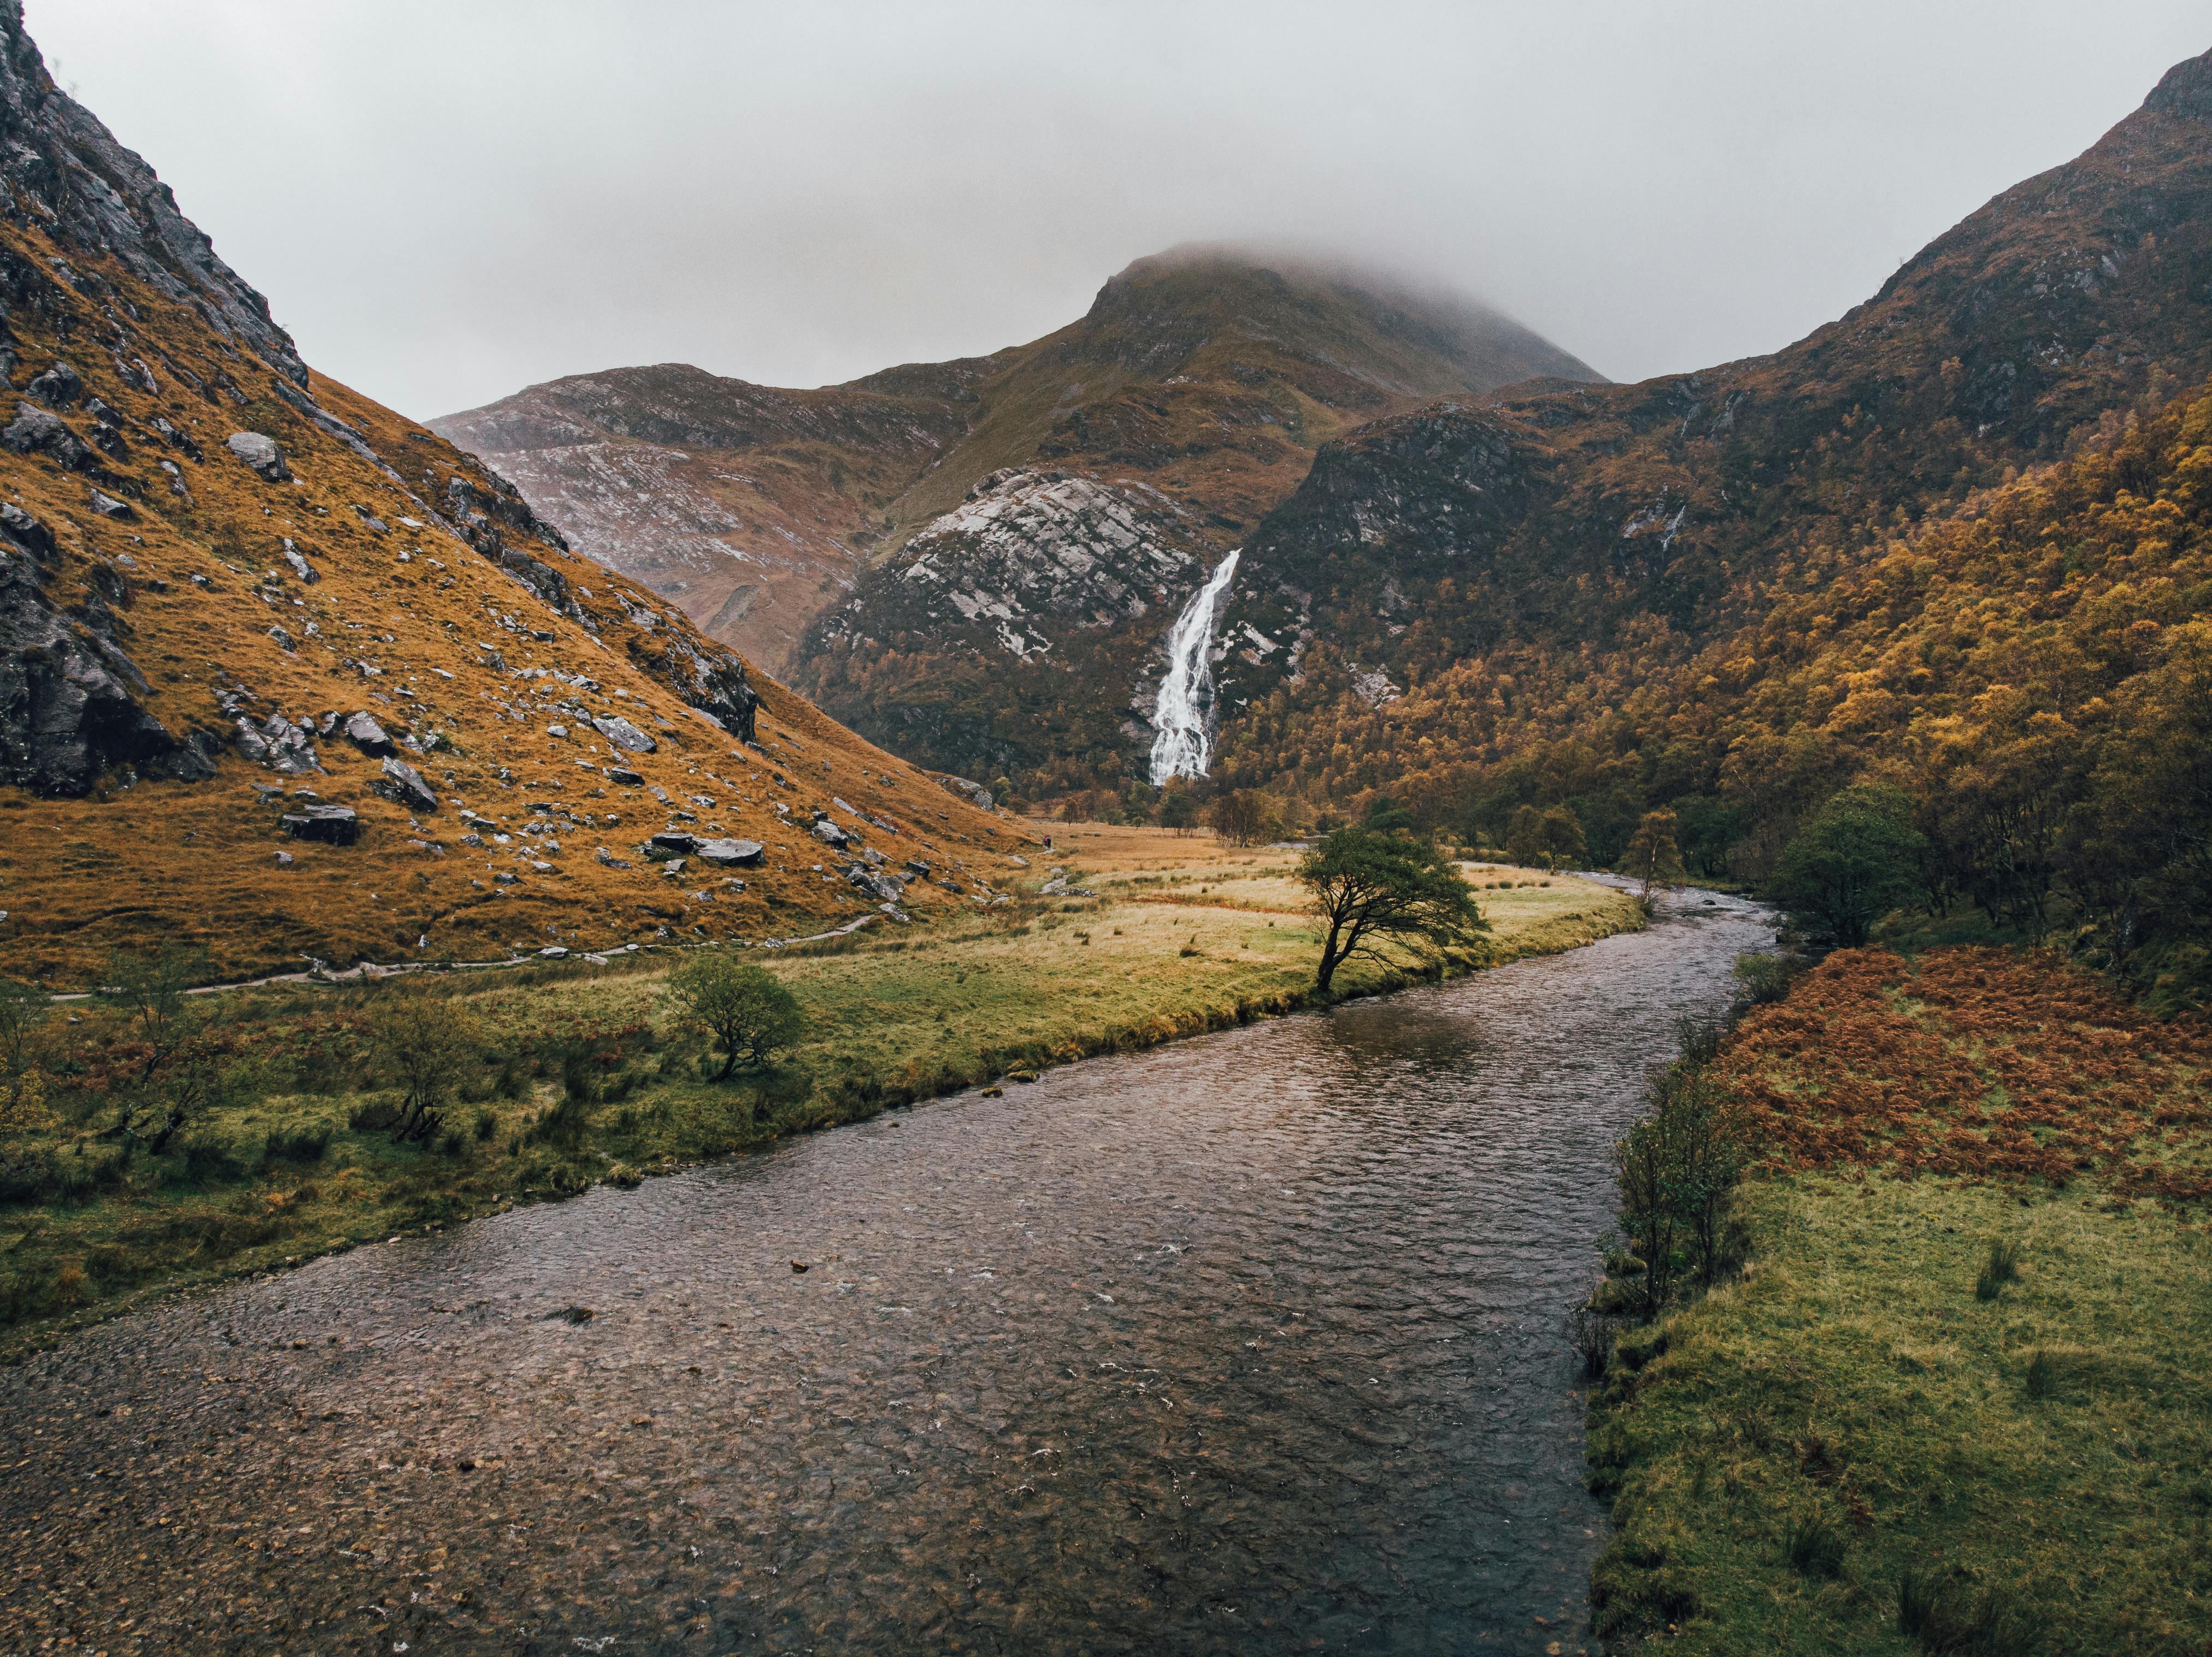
(586, 1080)
(1874, 1441)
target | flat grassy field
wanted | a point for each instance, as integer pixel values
(585, 1079)
(1880, 1439)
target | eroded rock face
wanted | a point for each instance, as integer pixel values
(70, 697)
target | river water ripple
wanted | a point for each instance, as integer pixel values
(1247, 1343)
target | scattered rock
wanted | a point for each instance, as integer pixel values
(403, 782)
(108, 507)
(675, 842)
(561, 731)
(364, 734)
(885, 887)
(300, 567)
(622, 778)
(504, 878)
(59, 387)
(336, 825)
(732, 854)
(623, 734)
(798, 1265)
(261, 454)
(284, 860)
(829, 834)
(284, 640)
(34, 431)
(610, 859)
(974, 793)
(572, 1314)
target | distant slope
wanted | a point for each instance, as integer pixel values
(1137, 443)
(232, 591)
(1473, 579)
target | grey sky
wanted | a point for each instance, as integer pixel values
(447, 201)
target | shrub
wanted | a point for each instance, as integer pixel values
(428, 1044)
(743, 1008)
(2001, 1267)
(2042, 1375)
(1813, 1546)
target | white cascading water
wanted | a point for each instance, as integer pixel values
(1180, 748)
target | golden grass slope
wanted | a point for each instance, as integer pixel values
(413, 616)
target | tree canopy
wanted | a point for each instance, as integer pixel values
(750, 1015)
(1856, 860)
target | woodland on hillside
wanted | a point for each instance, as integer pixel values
(2035, 671)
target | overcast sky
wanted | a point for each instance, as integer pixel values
(445, 202)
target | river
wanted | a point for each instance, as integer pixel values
(1249, 1343)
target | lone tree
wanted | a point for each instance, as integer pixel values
(1178, 811)
(1652, 857)
(1373, 888)
(1856, 860)
(428, 1045)
(747, 1013)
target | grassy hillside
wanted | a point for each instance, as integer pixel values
(231, 590)
(586, 1074)
(1956, 1401)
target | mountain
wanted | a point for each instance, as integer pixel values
(286, 675)
(975, 561)
(1485, 603)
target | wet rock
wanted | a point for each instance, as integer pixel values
(403, 782)
(732, 854)
(623, 734)
(261, 454)
(364, 734)
(336, 825)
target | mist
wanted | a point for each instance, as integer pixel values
(446, 203)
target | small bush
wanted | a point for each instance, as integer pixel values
(2042, 1375)
(1813, 1546)
(486, 1125)
(2001, 1267)
(304, 1144)
(1590, 1335)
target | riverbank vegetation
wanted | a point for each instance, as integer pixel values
(1954, 1400)
(310, 1116)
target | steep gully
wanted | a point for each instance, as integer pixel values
(1248, 1341)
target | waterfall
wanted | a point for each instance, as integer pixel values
(1181, 748)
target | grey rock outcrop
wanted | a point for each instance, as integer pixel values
(279, 744)
(364, 734)
(403, 782)
(337, 825)
(732, 854)
(36, 431)
(623, 734)
(260, 454)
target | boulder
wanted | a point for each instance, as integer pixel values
(58, 387)
(732, 854)
(284, 640)
(335, 823)
(300, 567)
(624, 778)
(829, 834)
(403, 782)
(364, 734)
(623, 734)
(884, 887)
(34, 431)
(261, 454)
(108, 507)
(674, 843)
(974, 793)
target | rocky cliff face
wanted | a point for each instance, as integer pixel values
(883, 542)
(1603, 524)
(283, 673)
